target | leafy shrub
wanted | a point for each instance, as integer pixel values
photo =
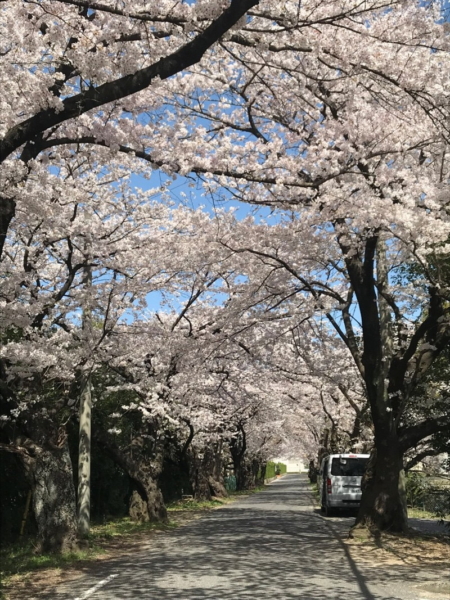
(416, 487)
(273, 469)
(421, 493)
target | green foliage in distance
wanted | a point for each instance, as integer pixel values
(274, 469)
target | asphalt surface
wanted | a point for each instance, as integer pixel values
(274, 545)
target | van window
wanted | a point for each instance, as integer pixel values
(349, 467)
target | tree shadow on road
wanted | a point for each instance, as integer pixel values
(271, 545)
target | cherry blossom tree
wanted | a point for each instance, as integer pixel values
(62, 62)
(333, 117)
(77, 76)
(342, 127)
(210, 376)
(127, 241)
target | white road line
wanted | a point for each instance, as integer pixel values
(96, 587)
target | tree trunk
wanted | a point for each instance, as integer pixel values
(261, 474)
(50, 473)
(155, 502)
(85, 438)
(142, 473)
(206, 473)
(238, 448)
(138, 508)
(146, 503)
(42, 448)
(245, 475)
(7, 212)
(84, 460)
(383, 502)
(216, 480)
(217, 488)
(200, 470)
(200, 485)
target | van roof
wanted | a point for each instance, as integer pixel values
(349, 455)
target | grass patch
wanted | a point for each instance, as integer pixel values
(315, 491)
(20, 558)
(247, 492)
(123, 527)
(419, 513)
(194, 505)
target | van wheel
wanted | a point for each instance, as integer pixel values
(329, 512)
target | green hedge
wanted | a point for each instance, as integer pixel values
(273, 469)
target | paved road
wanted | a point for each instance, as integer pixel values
(272, 545)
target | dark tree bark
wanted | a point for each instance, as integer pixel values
(54, 501)
(261, 474)
(146, 503)
(238, 448)
(49, 471)
(384, 369)
(143, 472)
(216, 480)
(200, 466)
(138, 508)
(217, 488)
(206, 473)
(383, 503)
(247, 473)
(7, 212)
(42, 448)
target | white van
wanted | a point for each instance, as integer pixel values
(339, 481)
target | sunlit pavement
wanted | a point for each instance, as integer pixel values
(272, 545)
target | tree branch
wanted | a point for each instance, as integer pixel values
(412, 435)
(186, 56)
